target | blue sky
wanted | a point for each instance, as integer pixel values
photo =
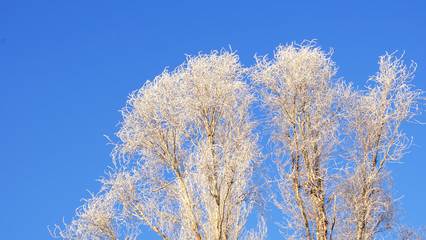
(67, 67)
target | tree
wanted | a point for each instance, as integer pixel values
(311, 116)
(304, 106)
(374, 121)
(186, 160)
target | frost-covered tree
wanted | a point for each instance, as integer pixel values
(332, 187)
(304, 103)
(186, 160)
(374, 120)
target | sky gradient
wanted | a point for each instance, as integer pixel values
(67, 67)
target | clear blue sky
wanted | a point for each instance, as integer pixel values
(67, 67)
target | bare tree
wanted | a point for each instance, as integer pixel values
(374, 121)
(304, 106)
(187, 156)
(311, 115)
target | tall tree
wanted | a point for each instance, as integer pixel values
(374, 120)
(304, 105)
(187, 156)
(311, 116)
